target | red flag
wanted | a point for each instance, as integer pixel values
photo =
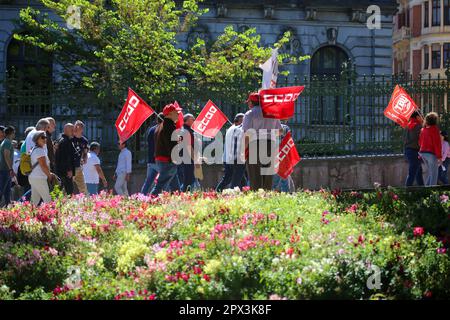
(209, 121)
(180, 121)
(134, 113)
(288, 157)
(401, 107)
(279, 103)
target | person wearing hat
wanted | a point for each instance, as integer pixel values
(443, 168)
(260, 137)
(163, 149)
(234, 159)
(40, 174)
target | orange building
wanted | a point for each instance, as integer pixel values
(421, 38)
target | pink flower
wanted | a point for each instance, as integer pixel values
(441, 250)
(418, 231)
(444, 198)
(245, 189)
(53, 251)
(272, 216)
(299, 281)
(202, 245)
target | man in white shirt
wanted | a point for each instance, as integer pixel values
(93, 171)
(234, 159)
(42, 125)
(123, 170)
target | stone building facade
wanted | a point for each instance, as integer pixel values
(329, 31)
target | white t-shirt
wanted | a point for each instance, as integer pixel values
(89, 171)
(16, 162)
(29, 141)
(35, 155)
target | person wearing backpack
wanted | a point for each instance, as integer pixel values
(40, 174)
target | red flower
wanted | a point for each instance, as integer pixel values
(428, 294)
(206, 277)
(418, 231)
(290, 251)
(197, 270)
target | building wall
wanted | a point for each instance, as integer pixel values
(313, 174)
(371, 50)
(411, 35)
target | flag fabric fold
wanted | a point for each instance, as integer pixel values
(279, 103)
(270, 71)
(134, 112)
(210, 120)
(400, 107)
(287, 158)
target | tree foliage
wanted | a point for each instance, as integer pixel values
(136, 43)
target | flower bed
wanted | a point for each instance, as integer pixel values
(309, 245)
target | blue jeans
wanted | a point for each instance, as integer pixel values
(443, 175)
(5, 186)
(167, 172)
(280, 184)
(92, 188)
(152, 172)
(431, 163)
(188, 181)
(414, 167)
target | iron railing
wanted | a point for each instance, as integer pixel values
(333, 116)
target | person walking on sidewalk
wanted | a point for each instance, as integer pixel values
(431, 148)
(411, 143)
(163, 150)
(80, 144)
(152, 170)
(123, 170)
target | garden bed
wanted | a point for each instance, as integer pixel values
(308, 245)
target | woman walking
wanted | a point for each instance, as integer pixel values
(431, 148)
(443, 169)
(40, 174)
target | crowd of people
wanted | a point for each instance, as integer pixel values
(36, 164)
(30, 168)
(426, 144)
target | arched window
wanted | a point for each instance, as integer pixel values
(327, 64)
(29, 79)
(328, 61)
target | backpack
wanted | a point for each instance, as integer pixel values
(25, 163)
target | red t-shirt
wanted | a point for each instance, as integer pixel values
(430, 141)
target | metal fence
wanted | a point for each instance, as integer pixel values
(333, 116)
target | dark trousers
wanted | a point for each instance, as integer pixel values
(234, 174)
(67, 183)
(188, 177)
(258, 180)
(443, 175)
(167, 173)
(414, 167)
(5, 186)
